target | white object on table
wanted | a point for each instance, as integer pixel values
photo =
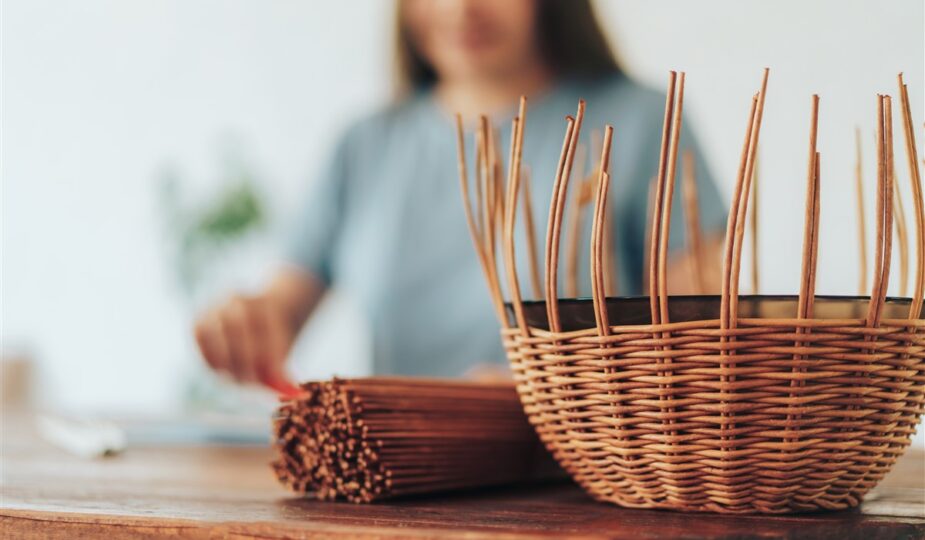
(84, 438)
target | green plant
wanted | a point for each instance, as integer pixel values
(199, 235)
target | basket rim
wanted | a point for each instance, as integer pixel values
(641, 297)
(632, 311)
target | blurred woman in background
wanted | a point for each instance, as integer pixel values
(386, 220)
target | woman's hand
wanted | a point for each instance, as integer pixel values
(249, 337)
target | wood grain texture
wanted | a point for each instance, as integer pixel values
(231, 493)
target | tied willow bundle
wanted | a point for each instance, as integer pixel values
(363, 440)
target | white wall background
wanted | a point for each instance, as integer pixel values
(99, 95)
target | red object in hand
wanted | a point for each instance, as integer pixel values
(285, 389)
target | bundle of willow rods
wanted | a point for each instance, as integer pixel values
(363, 440)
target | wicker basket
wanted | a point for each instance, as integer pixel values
(711, 403)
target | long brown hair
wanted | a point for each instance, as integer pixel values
(570, 38)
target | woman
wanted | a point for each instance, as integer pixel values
(386, 222)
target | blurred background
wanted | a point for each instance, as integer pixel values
(153, 152)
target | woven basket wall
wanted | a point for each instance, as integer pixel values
(752, 423)
(732, 413)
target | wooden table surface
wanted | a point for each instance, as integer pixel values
(230, 493)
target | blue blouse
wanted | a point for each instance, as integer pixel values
(386, 222)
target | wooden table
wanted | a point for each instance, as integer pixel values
(230, 493)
